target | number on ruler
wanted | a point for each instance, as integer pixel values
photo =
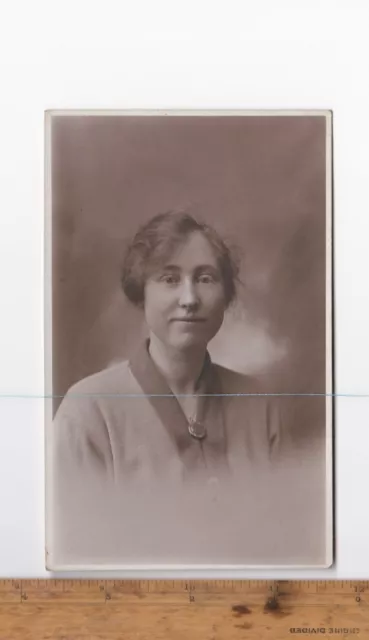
(358, 589)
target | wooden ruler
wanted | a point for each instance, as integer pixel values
(182, 610)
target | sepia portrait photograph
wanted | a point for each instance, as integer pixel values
(188, 342)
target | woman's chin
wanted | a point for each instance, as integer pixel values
(188, 342)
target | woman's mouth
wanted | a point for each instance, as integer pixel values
(189, 320)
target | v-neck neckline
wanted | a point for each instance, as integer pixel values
(169, 410)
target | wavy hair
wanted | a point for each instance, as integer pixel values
(157, 239)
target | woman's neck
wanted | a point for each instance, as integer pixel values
(181, 369)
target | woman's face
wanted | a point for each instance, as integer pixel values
(185, 299)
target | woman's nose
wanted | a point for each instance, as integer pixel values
(188, 295)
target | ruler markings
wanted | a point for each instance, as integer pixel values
(216, 587)
(177, 609)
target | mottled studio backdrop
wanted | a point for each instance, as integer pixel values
(261, 181)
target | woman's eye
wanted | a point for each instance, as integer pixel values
(169, 279)
(206, 278)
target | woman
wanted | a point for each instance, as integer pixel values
(168, 458)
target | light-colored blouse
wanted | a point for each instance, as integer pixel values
(128, 484)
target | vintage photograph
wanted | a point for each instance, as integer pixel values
(188, 318)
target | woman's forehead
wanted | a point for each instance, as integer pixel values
(192, 251)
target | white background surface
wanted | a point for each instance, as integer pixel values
(184, 54)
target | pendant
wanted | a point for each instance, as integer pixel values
(196, 429)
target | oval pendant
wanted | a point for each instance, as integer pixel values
(196, 429)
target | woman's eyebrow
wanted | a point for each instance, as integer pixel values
(171, 267)
(207, 267)
(198, 268)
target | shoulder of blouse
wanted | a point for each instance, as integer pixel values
(109, 381)
(266, 409)
(234, 383)
(80, 433)
(86, 398)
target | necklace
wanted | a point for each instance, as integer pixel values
(195, 422)
(196, 429)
